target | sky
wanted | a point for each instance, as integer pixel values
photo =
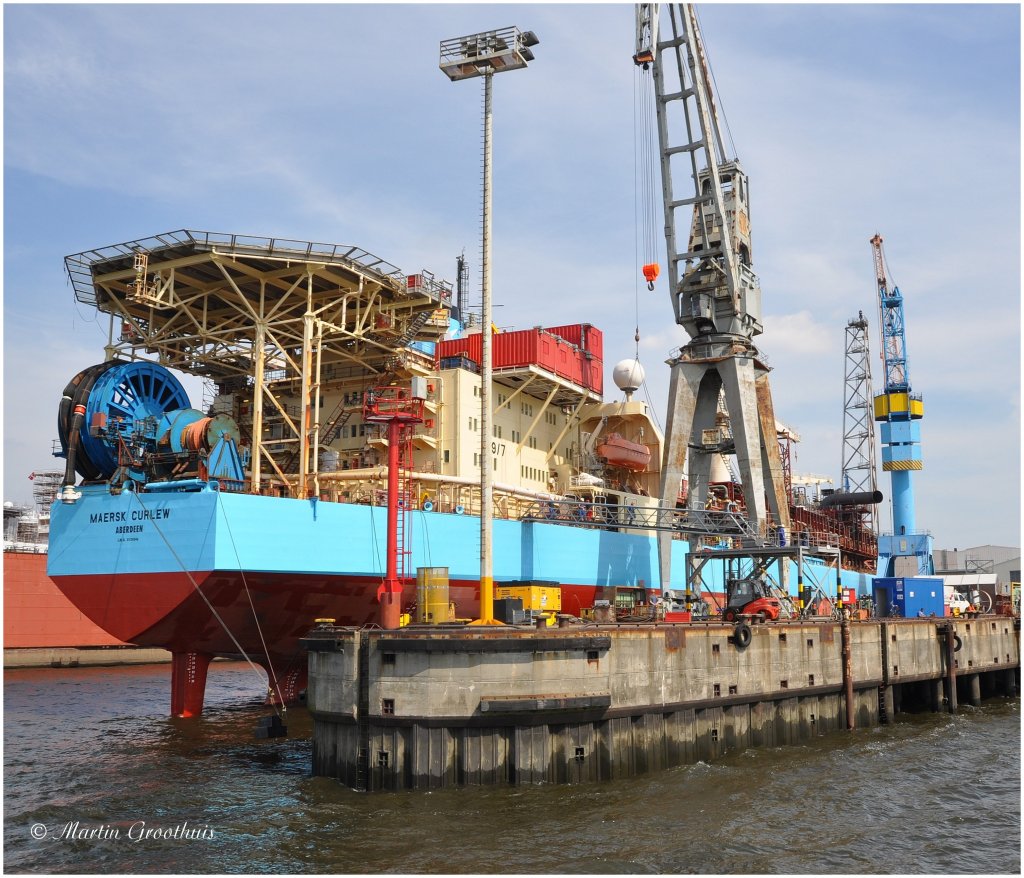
(333, 123)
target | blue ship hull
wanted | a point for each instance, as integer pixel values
(224, 574)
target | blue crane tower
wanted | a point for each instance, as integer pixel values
(899, 411)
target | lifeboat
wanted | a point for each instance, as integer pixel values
(621, 452)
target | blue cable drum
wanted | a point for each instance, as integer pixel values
(130, 392)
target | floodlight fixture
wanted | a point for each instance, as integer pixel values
(488, 52)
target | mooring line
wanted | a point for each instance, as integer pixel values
(245, 585)
(206, 600)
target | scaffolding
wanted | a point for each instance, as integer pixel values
(45, 486)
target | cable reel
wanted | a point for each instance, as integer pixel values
(132, 420)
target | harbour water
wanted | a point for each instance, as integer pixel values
(97, 779)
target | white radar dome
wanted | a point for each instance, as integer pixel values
(628, 375)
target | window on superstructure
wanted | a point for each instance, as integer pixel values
(476, 458)
(447, 456)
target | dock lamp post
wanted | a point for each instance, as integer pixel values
(485, 54)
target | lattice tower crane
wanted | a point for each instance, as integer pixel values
(858, 472)
(715, 293)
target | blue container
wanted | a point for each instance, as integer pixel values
(908, 597)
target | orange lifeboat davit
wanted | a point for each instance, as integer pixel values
(621, 452)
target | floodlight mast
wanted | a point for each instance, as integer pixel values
(484, 54)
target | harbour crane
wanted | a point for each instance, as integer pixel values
(904, 552)
(716, 296)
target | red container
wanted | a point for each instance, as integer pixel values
(469, 347)
(593, 374)
(585, 336)
(511, 349)
(572, 333)
(533, 346)
(593, 341)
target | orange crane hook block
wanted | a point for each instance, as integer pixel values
(651, 272)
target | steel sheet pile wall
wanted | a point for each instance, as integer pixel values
(435, 708)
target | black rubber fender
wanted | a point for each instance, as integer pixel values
(741, 635)
(957, 643)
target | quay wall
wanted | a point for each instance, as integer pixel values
(424, 708)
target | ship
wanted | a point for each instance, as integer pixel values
(42, 628)
(230, 529)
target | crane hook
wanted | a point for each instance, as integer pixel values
(651, 271)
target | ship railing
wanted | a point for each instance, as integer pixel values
(625, 516)
(701, 519)
(80, 266)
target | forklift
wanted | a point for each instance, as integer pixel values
(750, 599)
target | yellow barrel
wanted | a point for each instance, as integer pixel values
(432, 595)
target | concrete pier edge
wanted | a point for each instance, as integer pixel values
(423, 708)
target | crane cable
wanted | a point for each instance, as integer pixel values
(645, 171)
(717, 96)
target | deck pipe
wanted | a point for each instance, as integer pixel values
(390, 592)
(70, 418)
(858, 498)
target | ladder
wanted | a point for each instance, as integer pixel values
(341, 414)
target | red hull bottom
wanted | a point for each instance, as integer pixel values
(258, 616)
